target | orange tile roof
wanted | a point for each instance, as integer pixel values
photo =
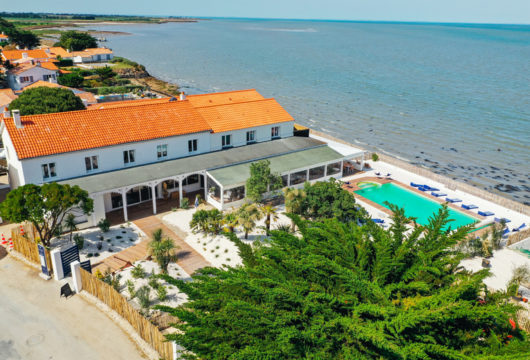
(6, 96)
(223, 98)
(243, 115)
(126, 103)
(59, 51)
(3, 36)
(57, 133)
(49, 65)
(42, 83)
(17, 54)
(20, 68)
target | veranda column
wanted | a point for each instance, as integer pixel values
(124, 201)
(180, 192)
(153, 195)
(362, 161)
(205, 187)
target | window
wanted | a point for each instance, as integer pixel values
(91, 163)
(227, 140)
(333, 169)
(192, 145)
(316, 173)
(128, 156)
(161, 151)
(251, 136)
(192, 179)
(48, 77)
(24, 79)
(48, 170)
(298, 177)
(275, 132)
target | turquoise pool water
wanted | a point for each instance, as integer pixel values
(524, 251)
(414, 204)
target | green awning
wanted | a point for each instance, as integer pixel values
(238, 174)
(106, 181)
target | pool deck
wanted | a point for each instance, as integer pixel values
(384, 180)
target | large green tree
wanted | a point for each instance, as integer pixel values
(45, 206)
(22, 38)
(262, 180)
(344, 291)
(327, 199)
(73, 80)
(76, 41)
(45, 100)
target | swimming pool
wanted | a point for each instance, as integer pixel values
(415, 205)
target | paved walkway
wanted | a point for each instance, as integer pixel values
(189, 259)
(36, 324)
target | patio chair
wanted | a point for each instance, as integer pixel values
(66, 291)
(388, 175)
(469, 207)
(378, 221)
(453, 200)
(500, 219)
(378, 173)
(433, 189)
(523, 225)
(414, 184)
(438, 194)
(486, 213)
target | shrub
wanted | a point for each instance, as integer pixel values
(104, 225)
(79, 241)
(153, 282)
(89, 255)
(96, 254)
(185, 203)
(131, 289)
(375, 157)
(72, 80)
(138, 272)
(143, 296)
(99, 245)
(118, 237)
(113, 280)
(161, 292)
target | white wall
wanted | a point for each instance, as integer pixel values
(15, 171)
(263, 133)
(38, 74)
(70, 165)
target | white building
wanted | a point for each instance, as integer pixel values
(92, 55)
(158, 151)
(28, 73)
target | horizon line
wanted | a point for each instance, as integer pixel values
(199, 17)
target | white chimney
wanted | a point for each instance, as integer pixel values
(85, 102)
(6, 113)
(16, 118)
(182, 96)
(24, 55)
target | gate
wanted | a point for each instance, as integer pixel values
(68, 256)
(86, 265)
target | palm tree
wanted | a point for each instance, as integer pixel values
(230, 220)
(269, 212)
(163, 250)
(200, 221)
(70, 224)
(247, 216)
(215, 221)
(293, 202)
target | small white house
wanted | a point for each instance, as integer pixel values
(92, 55)
(28, 73)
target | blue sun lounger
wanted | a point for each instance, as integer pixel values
(486, 213)
(423, 188)
(453, 200)
(438, 194)
(433, 189)
(414, 184)
(469, 207)
(523, 225)
(378, 221)
(506, 231)
(378, 173)
(505, 220)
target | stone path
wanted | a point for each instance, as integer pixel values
(189, 259)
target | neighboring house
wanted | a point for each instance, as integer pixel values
(28, 73)
(15, 56)
(144, 151)
(6, 96)
(57, 51)
(4, 37)
(87, 97)
(92, 55)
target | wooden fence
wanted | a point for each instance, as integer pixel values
(518, 236)
(118, 303)
(27, 246)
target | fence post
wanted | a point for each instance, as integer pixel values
(76, 275)
(57, 264)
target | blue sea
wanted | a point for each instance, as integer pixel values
(452, 97)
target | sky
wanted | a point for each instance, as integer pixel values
(471, 11)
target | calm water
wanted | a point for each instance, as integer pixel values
(453, 98)
(415, 205)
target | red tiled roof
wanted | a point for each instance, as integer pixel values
(126, 103)
(224, 98)
(81, 130)
(6, 96)
(243, 115)
(17, 54)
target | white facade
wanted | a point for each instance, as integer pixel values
(21, 80)
(92, 58)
